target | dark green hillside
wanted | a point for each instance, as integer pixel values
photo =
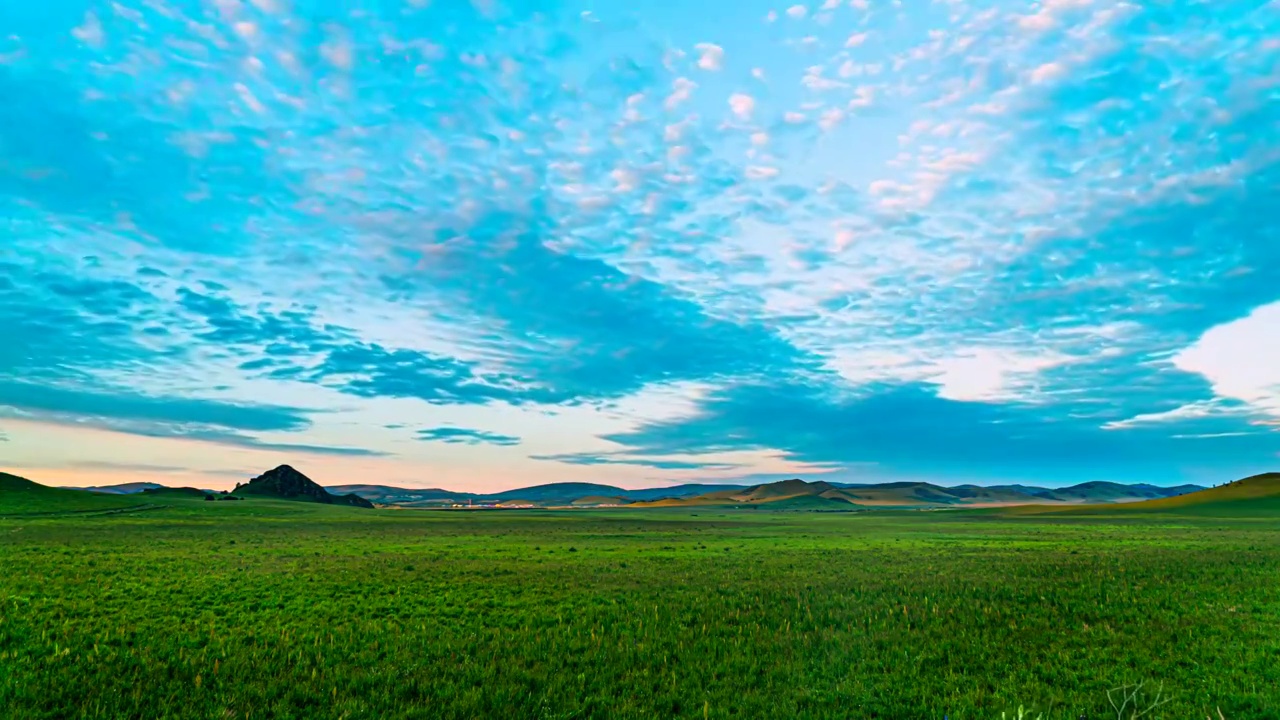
(20, 496)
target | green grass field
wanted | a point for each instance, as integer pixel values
(271, 609)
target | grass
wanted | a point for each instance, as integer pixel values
(271, 609)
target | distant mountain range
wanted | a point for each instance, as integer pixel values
(557, 494)
(289, 483)
(1260, 492)
(895, 494)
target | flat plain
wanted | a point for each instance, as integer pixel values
(272, 609)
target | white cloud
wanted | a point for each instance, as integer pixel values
(760, 172)
(863, 96)
(844, 238)
(338, 53)
(987, 374)
(814, 81)
(90, 32)
(797, 11)
(1240, 359)
(681, 90)
(711, 57)
(742, 105)
(248, 31)
(625, 179)
(856, 39)
(247, 97)
(1191, 411)
(1048, 14)
(1048, 72)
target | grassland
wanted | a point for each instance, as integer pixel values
(271, 609)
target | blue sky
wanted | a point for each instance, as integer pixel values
(482, 244)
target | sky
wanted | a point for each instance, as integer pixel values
(479, 245)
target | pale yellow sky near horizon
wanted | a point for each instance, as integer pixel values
(89, 456)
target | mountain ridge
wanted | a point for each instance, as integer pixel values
(901, 493)
(923, 494)
(286, 482)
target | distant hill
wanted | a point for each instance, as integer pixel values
(793, 494)
(559, 492)
(1100, 492)
(892, 494)
(175, 492)
(389, 495)
(122, 488)
(550, 494)
(677, 491)
(285, 483)
(920, 494)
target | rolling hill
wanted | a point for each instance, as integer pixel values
(785, 494)
(1257, 493)
(388, 495)
(1101, 492)
(122, 488)
(919, 495)
(20, 496)
(553, 494)
(892, 494)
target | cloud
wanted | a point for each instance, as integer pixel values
(797, 12)
(463, 436)
(123, 172)
(710, 57)
(1048, 72)
(986, 374)
(908, 430)
(1232, 357)
(1198, 410)
(219, 422)
(59, 320)
(658, 464)
(370, 370)
(162, 411)
(742, 105)
(681, 90)
(856, 39)
(149, 468)
(90, 32)
(577, 327)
